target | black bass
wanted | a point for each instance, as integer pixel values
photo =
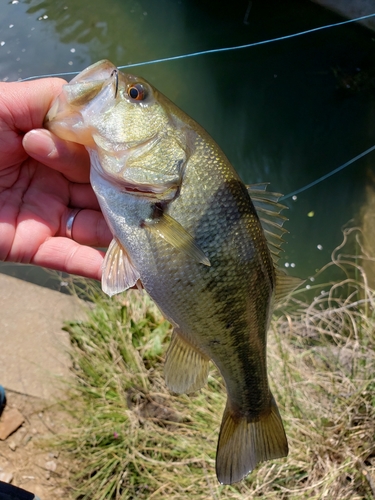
(184, 228)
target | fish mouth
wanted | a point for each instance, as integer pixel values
(65, 117)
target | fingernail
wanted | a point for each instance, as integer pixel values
(39, 143)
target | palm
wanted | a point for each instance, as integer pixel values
(33, 199)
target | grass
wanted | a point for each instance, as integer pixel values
(133, 439)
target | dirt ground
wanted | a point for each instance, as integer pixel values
(29, 457)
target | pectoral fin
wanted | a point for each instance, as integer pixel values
(186, 368)
(172, 231)
(119, 273)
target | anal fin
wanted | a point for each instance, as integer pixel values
(119, 273)
(243, 443)
(186, 368)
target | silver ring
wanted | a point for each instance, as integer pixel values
(70, 221)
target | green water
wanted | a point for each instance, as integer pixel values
(282, 112)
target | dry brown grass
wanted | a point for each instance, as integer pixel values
(136, 440)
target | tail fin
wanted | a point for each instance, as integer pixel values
(243, 443)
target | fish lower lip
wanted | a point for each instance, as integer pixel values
(141, 189)
(155, 192)
(137, 190)
(152, 195)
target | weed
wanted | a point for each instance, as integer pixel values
(134, 439)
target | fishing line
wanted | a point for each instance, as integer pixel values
(329, 174)
(246, 46)
(215, 51)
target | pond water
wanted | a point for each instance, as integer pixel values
(286, 112)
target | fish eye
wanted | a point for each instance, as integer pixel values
(137, 92)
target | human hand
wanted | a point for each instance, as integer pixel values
(43, 178)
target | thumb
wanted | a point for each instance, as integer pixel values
(69, 158)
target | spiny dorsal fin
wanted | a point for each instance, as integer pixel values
(268, 209)
(185, 368)
(260, 190)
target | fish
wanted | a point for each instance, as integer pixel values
(201, 243)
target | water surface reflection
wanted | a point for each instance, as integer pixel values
(277, 110)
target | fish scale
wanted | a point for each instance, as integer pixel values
(186, 230)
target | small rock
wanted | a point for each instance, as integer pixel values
(26, 439)
(12, 445)
(41, 492)
(50, 465)
(53, 454)
(6, 477)
(9, 422)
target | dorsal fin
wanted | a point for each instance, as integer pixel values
(285, 285)
(268, 209)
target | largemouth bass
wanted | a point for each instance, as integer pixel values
(185, 228)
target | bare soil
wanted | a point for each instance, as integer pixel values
(29, 455)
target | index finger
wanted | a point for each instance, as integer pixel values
(25, 104)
